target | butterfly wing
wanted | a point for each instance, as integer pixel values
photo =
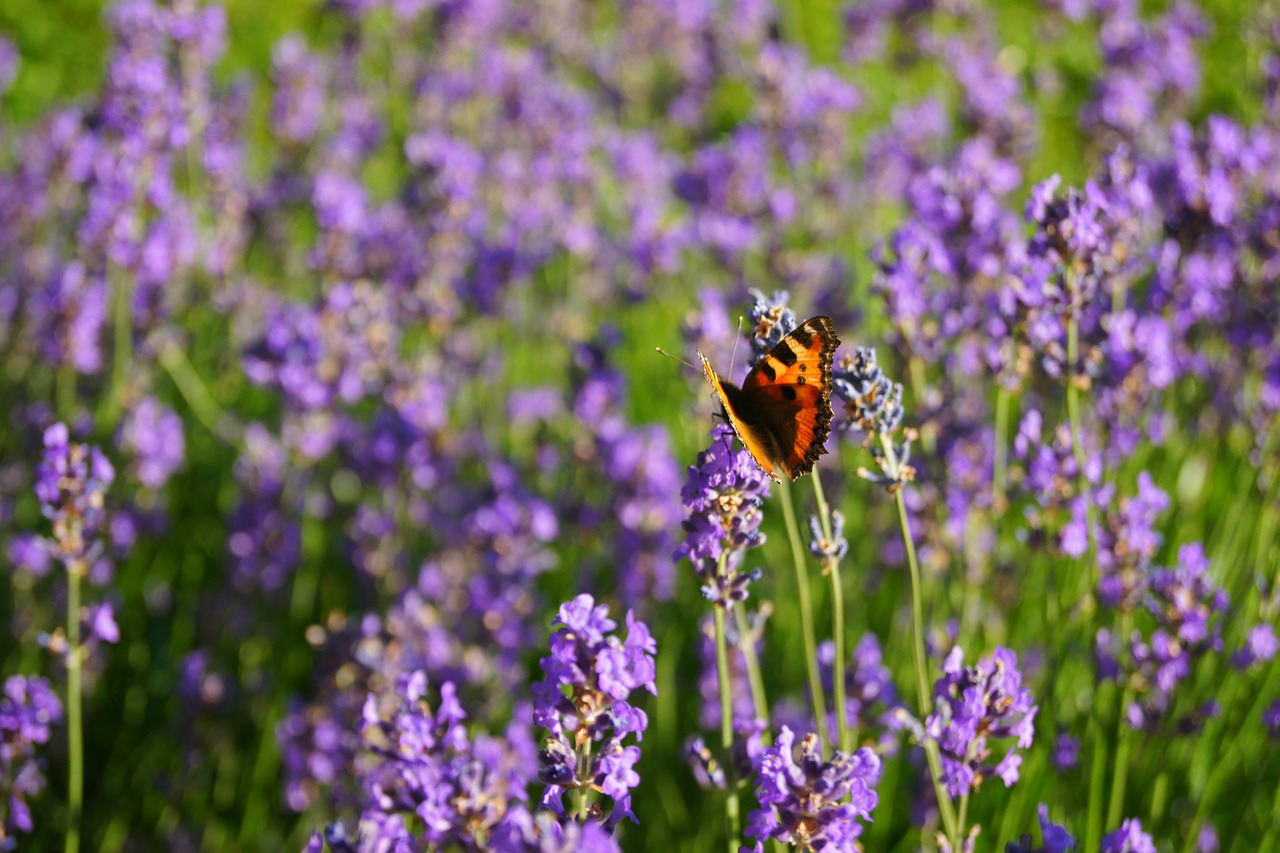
(782, 412)
(748, 419)
(789, 395)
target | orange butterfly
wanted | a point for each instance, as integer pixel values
(782, 412)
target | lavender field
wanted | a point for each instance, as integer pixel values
(346, 504)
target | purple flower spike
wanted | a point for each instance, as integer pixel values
(28, 710)
(1056, 838)
(72, 481)
(872, 403)
(828, 549)
(772, 321)
(974, 705)
(722, 498)
(589, 676)
(422, 762)
(154, 434)
(1129, 838)
(1260, 647)
(811, 803)
(1271, 718)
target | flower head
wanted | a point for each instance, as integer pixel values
(589, 676)
(974, 705)
(154, 433)
(771, 321)
(872, 402)
(811, 803)
(1129, 838)
(424, 763)
(28, 710)
(72, 481)
(722, 499)
(1056, 838)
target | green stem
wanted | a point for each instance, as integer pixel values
(195, 392)
(1124, 738)
(915, 366)
(1073, 418)
(837, 664)
(806, 613)
(1159, 797)
(584, 793)
(953, 828)
(1098, 765)
(752, 663)
(731, 811)
(66, 390)
(75, 726)
(832, 569)
(1120, 774)
(1227, 761)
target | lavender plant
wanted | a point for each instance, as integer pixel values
(356, 301)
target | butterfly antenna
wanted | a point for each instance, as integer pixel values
(734, 353)
(677, 358)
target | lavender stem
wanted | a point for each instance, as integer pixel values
(731, 809)
(752, 662)
(831, 567)
(806, 613)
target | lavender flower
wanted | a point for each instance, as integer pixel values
(523, 832)
(1127, 543)
(872, 403)
(1271, 718)
(1129, 838)
(1185, 602)
(424, 764)
(1056, 838)
(771, 321)
(872, 703)
(706, 769)
(71, 483)
(1260, 647)
(828, 549)
(153, 433)
(599, 672)
(974, 705)
(28, 709)
(1066, 752)
(722, 498)
(811, 803)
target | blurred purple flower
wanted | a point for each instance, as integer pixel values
(424, 763)
(1066, 752)
(871, 699)
(1056, 838)
(28, 710)
(71, 482)
(1129, 838)
(1271, 718)
(153, 433)
(1260, 647)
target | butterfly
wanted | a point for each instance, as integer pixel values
(782, 412)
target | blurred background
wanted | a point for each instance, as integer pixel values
(360, 300)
